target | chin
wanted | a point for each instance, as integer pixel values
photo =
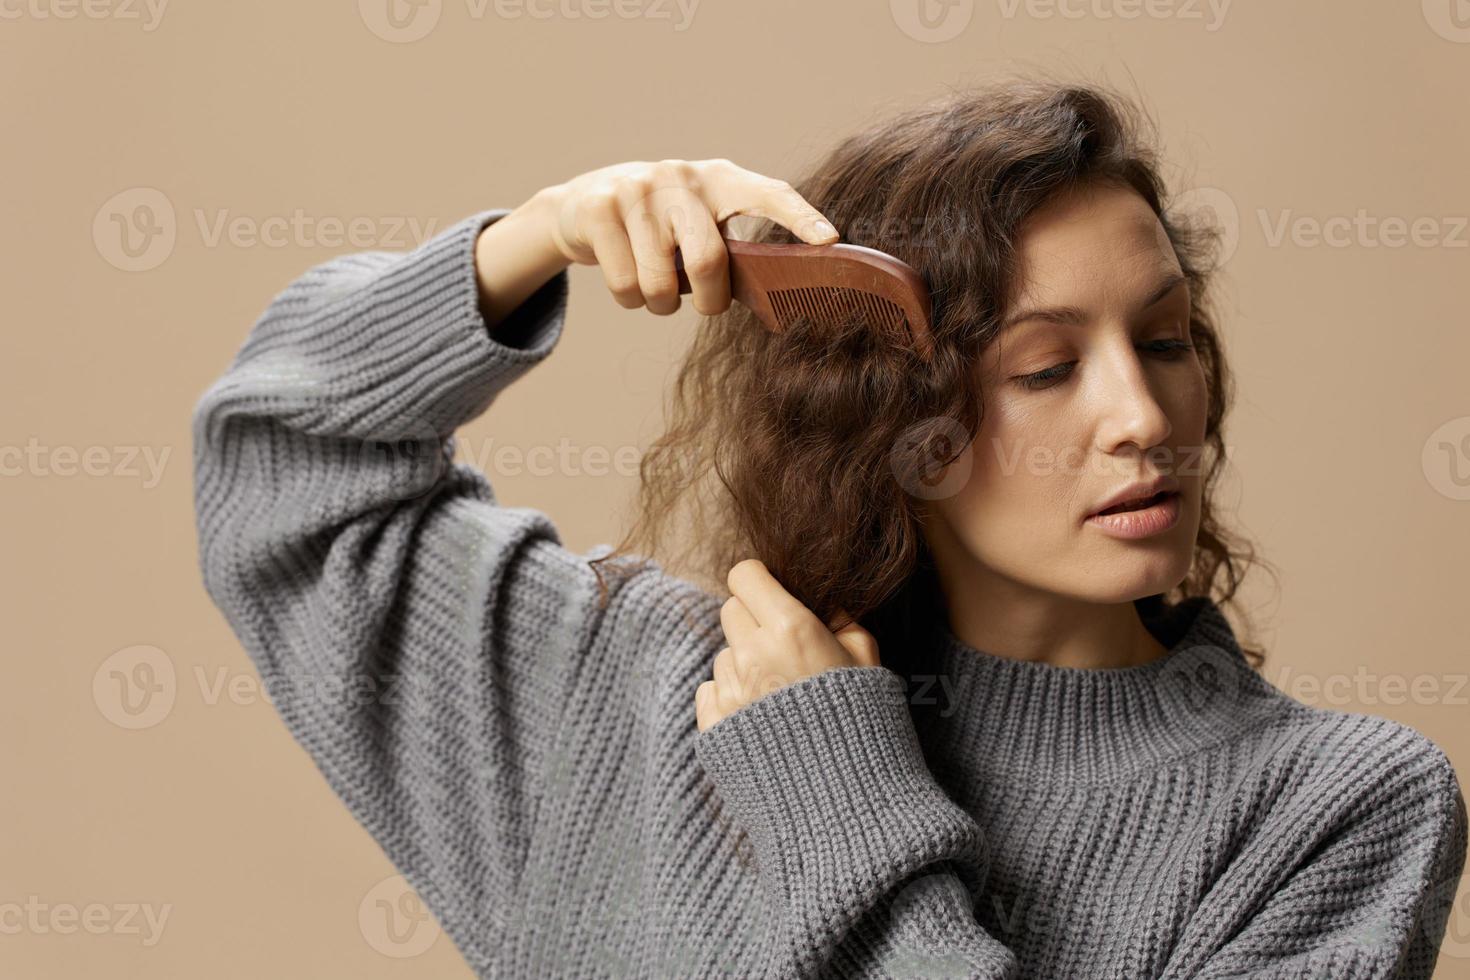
(1161, 572)
(1133, 575)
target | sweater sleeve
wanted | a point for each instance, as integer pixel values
(867, 867)
(416, 637)
(1370, 897)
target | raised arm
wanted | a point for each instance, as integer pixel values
(515, 256)
(416, 637)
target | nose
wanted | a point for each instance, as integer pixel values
(1128, 411)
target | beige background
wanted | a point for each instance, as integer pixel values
(1351, 438)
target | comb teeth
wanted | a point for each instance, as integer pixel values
(835, 303)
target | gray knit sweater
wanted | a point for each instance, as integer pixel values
(530, 761)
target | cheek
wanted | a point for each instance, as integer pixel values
(1189, 409)
(1023, 468)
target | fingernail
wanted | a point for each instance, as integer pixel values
(823, 229)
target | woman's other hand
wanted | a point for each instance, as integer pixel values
(774, 641)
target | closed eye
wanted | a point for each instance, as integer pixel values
(1169, 349)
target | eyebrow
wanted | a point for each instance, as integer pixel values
(1072, 316)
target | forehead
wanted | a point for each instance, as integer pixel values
(1098, 238)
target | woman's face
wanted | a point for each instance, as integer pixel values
(1079, 403)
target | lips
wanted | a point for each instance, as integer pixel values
(1137, 519)
(1138, 503)
(1139, 495)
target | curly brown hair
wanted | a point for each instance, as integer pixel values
(801, 427)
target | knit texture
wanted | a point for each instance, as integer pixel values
(530, 761)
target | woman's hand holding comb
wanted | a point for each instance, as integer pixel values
(628, 218)
(774, 641)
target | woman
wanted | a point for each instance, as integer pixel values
(951, 719)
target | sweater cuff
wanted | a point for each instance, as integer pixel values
(411, 356)
(827, 777)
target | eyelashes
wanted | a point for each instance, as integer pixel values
(1168, 350)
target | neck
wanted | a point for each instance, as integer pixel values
(983, 713)
(1006, 618)
(1018, 624)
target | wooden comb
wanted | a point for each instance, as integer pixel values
(781, 282)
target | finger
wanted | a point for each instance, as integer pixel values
(704, 705)
(725, 675)
(615, 258)
(706, 261)
(728, 700)
(737, 621)
(776, 200)
(765, 597)
(861, 644)
(653, 249)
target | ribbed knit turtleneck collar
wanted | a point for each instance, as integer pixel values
(989, 713)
